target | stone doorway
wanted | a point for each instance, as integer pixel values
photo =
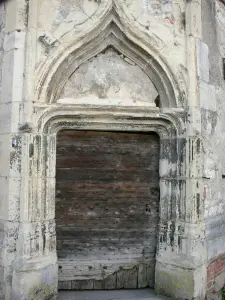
(107, 209)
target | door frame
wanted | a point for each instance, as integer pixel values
(172, 243)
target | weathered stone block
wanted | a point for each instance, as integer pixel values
(180, 282)
(41, 283)
(207, 96)
(9, 117)
(202, 56)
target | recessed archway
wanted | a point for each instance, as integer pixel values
(127, 119)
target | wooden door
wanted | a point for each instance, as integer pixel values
(107, 209)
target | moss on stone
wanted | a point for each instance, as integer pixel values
(223, 293)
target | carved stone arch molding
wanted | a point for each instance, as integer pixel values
(38, 255)
(110, 33)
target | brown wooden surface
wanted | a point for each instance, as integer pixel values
(107, 202)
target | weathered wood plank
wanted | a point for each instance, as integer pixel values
(110, 282)
(131, 278)
(64, 285)
(99, 285)
(127, 279)
(83, 284)
(142, 276)
(120, 279)
(151, 275)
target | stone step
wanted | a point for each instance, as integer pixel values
(141, 294)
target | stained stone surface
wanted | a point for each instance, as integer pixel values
(2, 35)
(110, 76)
(111, 295)
(180, 45)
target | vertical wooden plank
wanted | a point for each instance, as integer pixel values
(82, 284)
(151, 275)
(127, 279)
(120, 279)
(99, 285)
(110, 282)
(142, 276)
(64, 285)
(131, 278)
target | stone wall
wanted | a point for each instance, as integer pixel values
(2, 179)
(12, 54)
(213, 140)
(159, 23)
(2, 34)
(171, 42)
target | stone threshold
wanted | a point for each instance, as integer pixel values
(139, 294)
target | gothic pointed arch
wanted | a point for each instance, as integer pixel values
(156, 79)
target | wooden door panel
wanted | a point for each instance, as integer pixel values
(107, 207)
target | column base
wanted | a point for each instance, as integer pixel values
(33, 280)
(180, 282)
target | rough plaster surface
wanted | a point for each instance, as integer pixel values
(213, 116)
(53, 44)
(161, 22)
(110, 76)
(213, 162)
(2, 35)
